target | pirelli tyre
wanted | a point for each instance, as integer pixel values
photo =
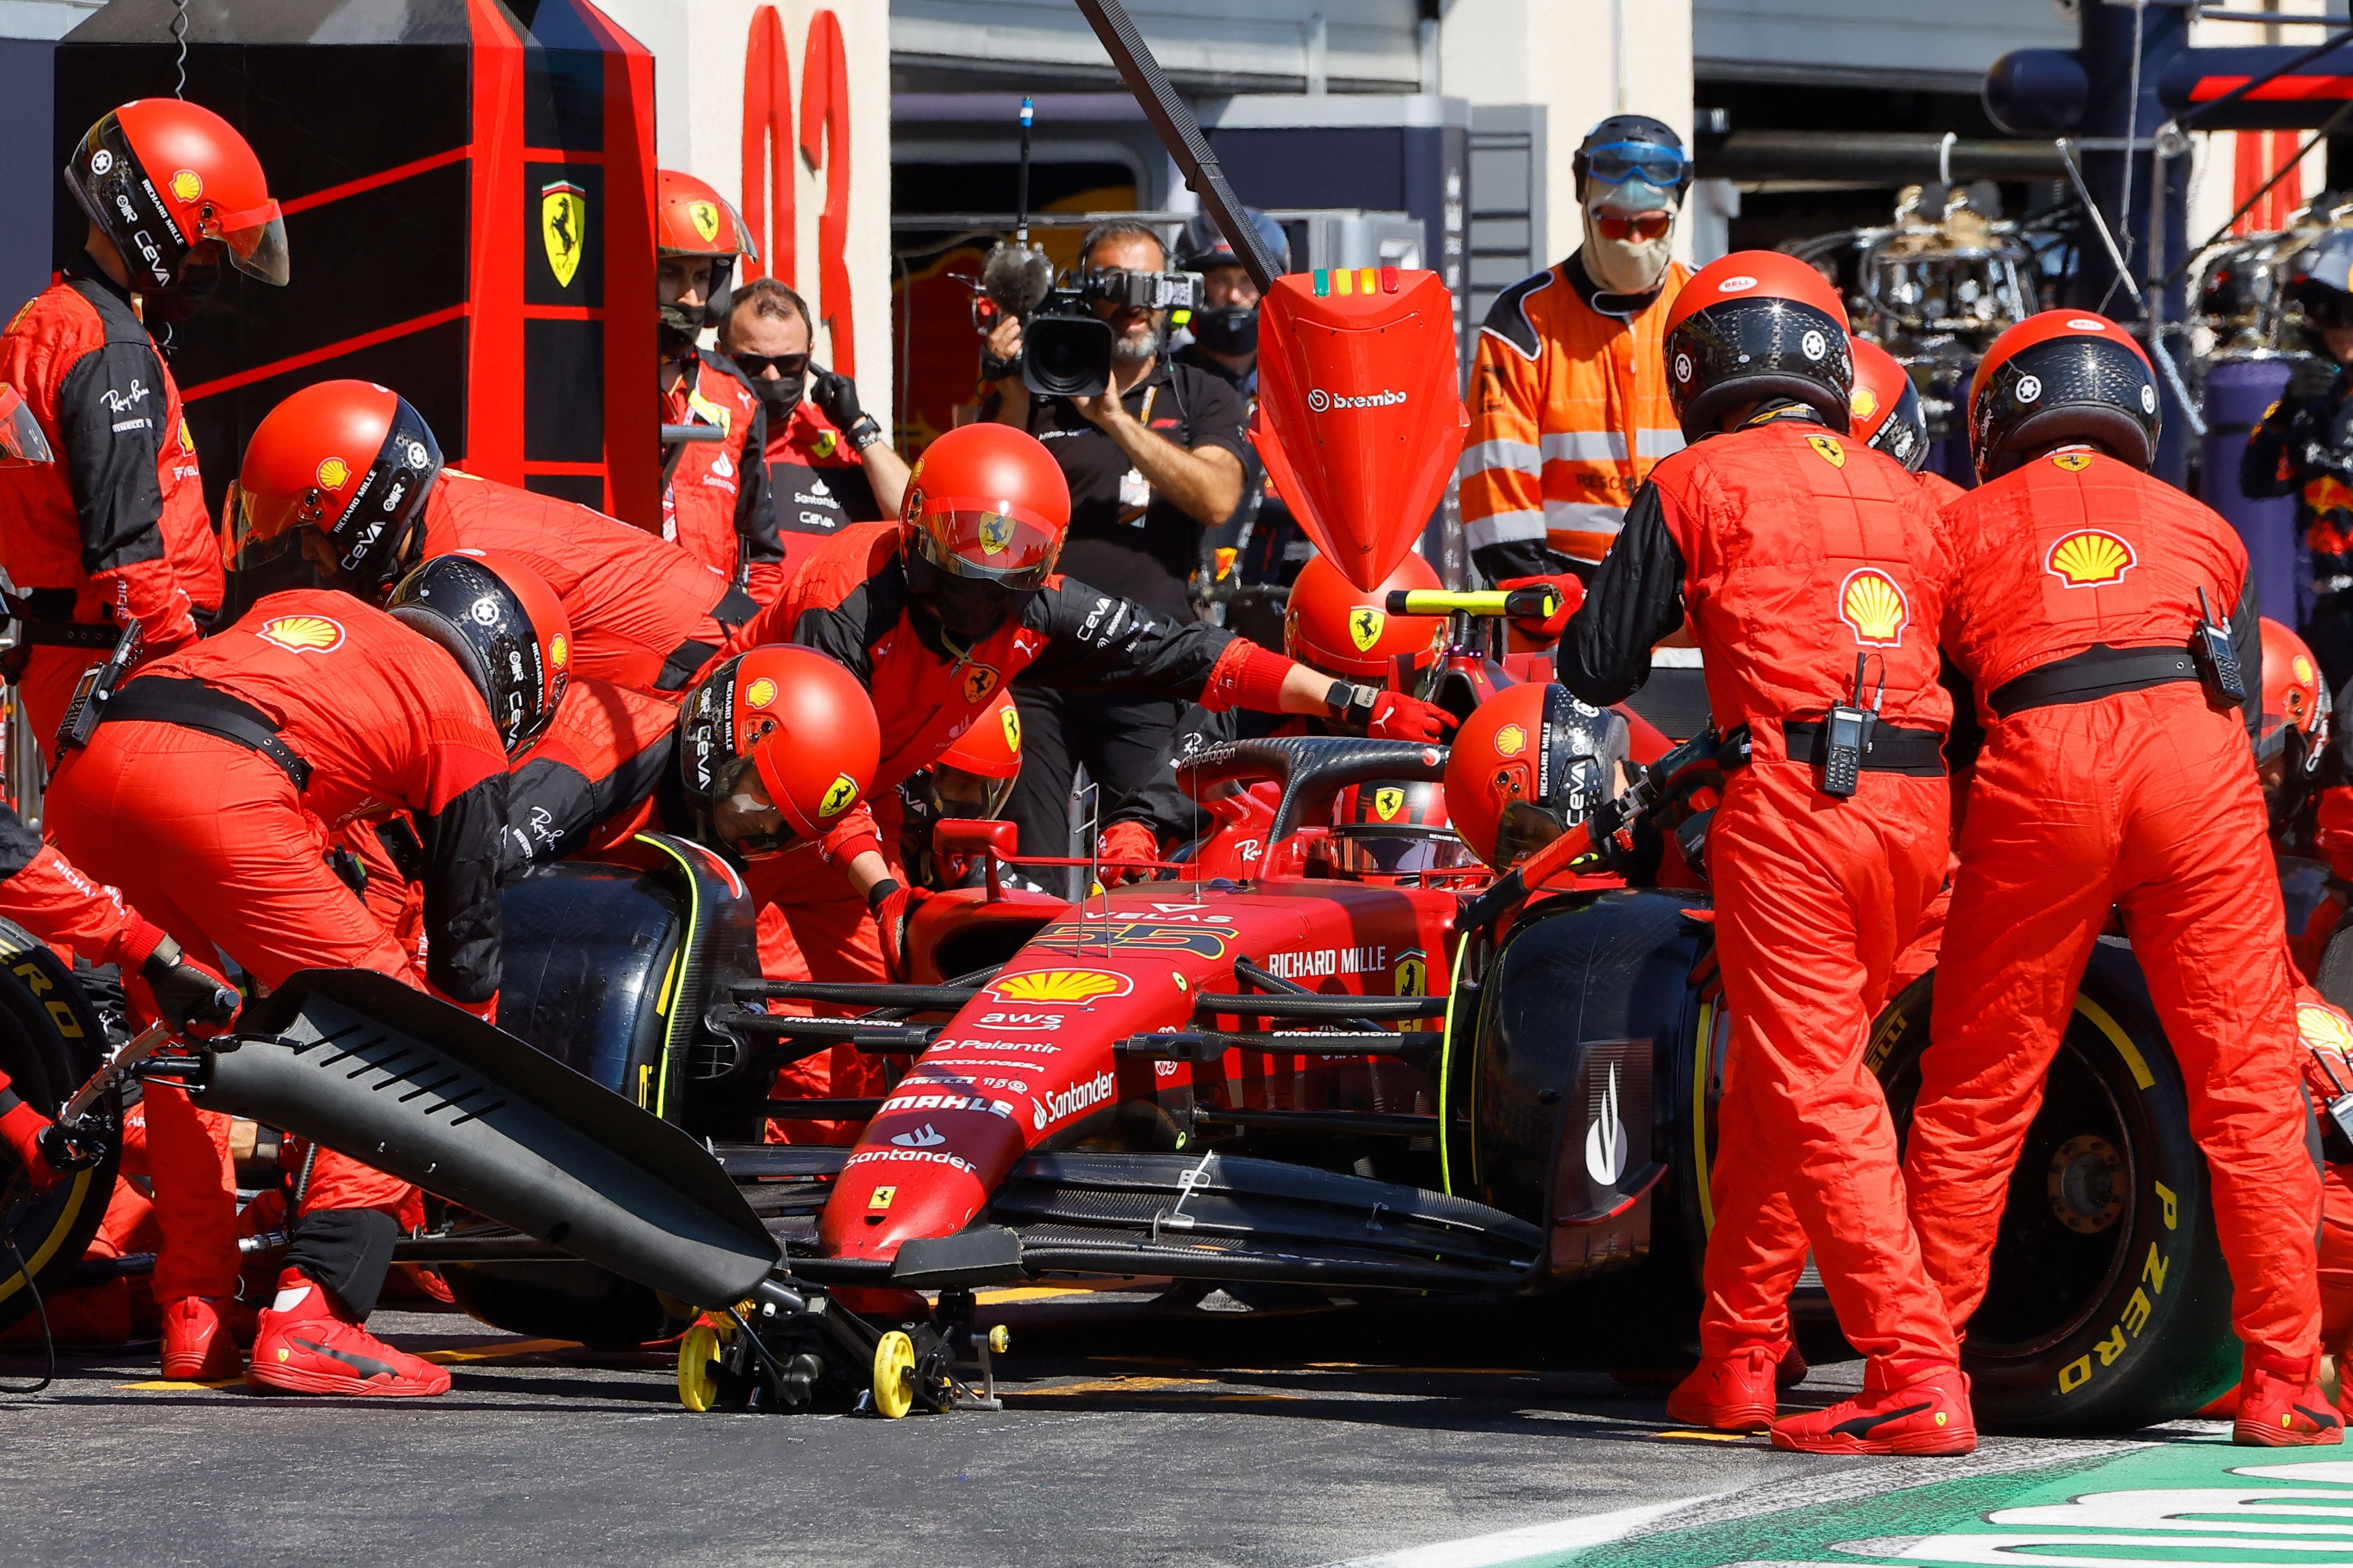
(50, 1041)
(2109, 1306)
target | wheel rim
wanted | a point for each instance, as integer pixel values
(894, 1374)
(698, 1367)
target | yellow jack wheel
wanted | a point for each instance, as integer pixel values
(1001, 1339)
(894, 1374)
(697, 1376)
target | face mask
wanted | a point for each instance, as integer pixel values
(781, 394)
(680, 326)
(198, 282)
(1226, 330)
(1631, 265)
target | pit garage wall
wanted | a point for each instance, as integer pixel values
(700, 53)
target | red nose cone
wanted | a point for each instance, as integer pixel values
(1358, 420)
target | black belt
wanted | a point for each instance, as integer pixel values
(1894, 749)
(2098, 671)
(192, 705)
(44, 618)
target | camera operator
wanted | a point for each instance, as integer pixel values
(1269, 545)
(1151, 463)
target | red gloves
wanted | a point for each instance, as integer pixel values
(1398, 716)
(21, 1127)
(1127, 841)
(1570, 592)
(894, 908)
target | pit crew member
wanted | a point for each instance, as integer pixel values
(208, 794)
(1151, 466)
(349, 471)
(1569, 403)
(714, 492)
(2115, 773)
(829, 461)
(115, 531)
(1813, 571)
(2303, 446)
(1886, 416)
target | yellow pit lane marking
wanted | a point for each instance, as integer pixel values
(165, 1385)
(1030, 1293)
(1703, 1437)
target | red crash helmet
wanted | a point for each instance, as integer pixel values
(22, 445)
(505, 627)
(1884, 409)
(975, 773)
(691, 219)
(988, 503)
(1753, 325)
(774, 746)
(1529, 764)
(2295, 700)
(160, 176)
(1333, 625)
(351, 459)
(1390, 829)
(2057, 378)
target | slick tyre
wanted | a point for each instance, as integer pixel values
(561, 1301)
(2109, 1306)
(50, 1041)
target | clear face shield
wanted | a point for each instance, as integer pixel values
(743, 815)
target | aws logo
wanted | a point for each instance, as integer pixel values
(1081, 985)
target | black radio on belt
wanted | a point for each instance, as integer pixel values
(2336, 1117)
(1846, 736)
(2218, 661)
(92, 691)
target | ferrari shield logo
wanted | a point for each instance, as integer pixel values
(978, 682)
(1827, 448)
(1365, 625)
(2073, 462)
(882, 1198)
(705, 217)
(563, 225)
(838, 795)
(996, 533)
(1010, 717)
(1413, 980)
(1387, 800)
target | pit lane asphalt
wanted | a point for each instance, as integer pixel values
(1133, 1433)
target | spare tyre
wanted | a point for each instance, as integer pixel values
(50, 1042)
(2109, 1305)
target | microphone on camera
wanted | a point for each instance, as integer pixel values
(1018, 278)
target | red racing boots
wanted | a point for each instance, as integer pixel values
(1731, 1393)
(1906, 1408)
(307, 1345)
(2280, 1405)
(198, 1346)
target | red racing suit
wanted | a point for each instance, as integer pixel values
(114, 529)
(643, 613)
(818, 486)
(850, 601)
(715, 493)
(2108, 780)
(2324, 1031)
(210, 796)
(1794, 551)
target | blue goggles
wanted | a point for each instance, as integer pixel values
(1615, 163)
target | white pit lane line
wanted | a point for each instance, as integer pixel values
(1529, 1541)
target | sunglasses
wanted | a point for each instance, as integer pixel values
(1645, 226)
(785, 365)
(1615, 163)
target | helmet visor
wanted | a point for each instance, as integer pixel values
(21, 441)
(744, 817)
(247, 542)
(1615, 163)
(999, 547)
(1396, 854)
(255, 240)
(955, 792)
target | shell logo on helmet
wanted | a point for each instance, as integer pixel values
(760, 693)
(1828, 449)
(2323, 1027)
(2302, 667)
(1062, 986)
(1511, 740)
(838, 795)
(1387, 800)
(1365, 627)
(333, 473)
(559, 650)
(1874, 608)
(2073, 462)
(1010, 717)
(2090, 558)
(187, 184)
(978, 682)
(705, 217)
(303, 634)
(1864, 403)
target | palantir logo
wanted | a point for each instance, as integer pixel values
(1605, 1140)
